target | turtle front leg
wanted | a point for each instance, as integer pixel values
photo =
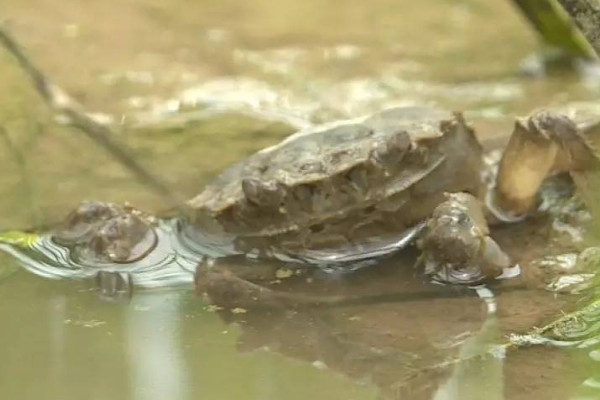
(456, 246)
(542, 144)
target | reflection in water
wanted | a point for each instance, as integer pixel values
(480, 375)
(411, 339)
(434, 347)
(402, 347)
(57, 307)
(163, 345)
(154, 348)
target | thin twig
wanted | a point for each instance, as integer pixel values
(586, 14)
(64, 105)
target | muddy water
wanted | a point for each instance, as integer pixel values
(195, 86)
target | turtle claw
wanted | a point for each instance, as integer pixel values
(456, 244)
(545, 143)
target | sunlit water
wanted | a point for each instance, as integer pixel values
(196, 86)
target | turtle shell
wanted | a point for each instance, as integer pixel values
(353, 182)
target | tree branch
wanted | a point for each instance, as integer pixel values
(64, 105)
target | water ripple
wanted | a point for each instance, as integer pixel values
(171, 263)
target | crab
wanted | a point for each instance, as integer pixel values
(354, 191)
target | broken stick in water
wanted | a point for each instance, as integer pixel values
(64, 105)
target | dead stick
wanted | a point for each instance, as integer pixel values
(586, 14)
(63, 104)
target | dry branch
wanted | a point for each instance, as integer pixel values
(64, 105)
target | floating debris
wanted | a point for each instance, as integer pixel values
(92, 323)
(212, 308)
(318, 364)
(283, 273)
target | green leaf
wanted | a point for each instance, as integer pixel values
(18, 238)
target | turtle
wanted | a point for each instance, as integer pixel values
(348, 192)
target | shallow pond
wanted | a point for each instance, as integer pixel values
(199, 85)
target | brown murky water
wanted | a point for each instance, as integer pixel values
(199, 85)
